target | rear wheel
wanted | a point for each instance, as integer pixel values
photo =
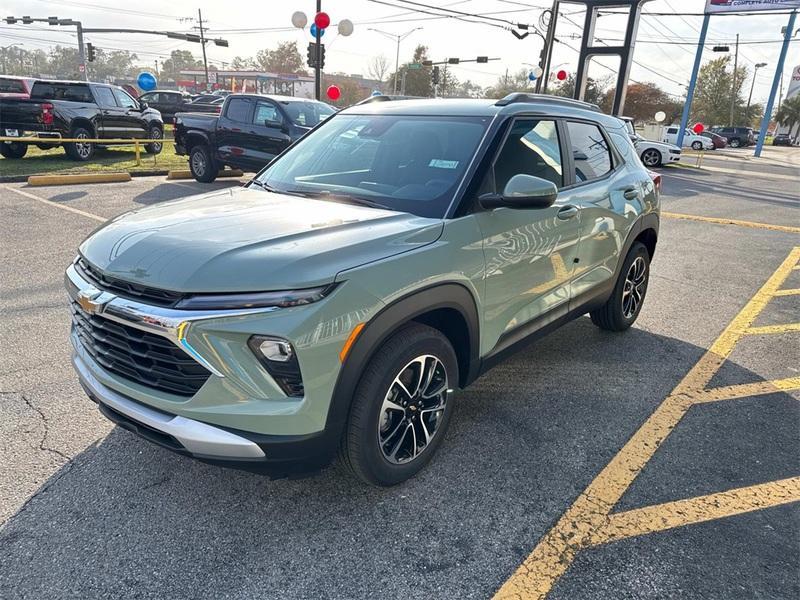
(621, 309)
(401, 407)
(156, 134)
(651, 158)
(80, 150)
(13, 149)
(697, 145)
(734, 143)
(201, 164)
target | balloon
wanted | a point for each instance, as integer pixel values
(698, 128)
(537, 71)
(314, 31)
(345, 27)
(322, 20)
(299, 19)
(146, 81)
(660, 116)
(333, 92)
(377, 93)
(532, 76)
(561, 75)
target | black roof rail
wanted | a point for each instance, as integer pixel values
(515, 97)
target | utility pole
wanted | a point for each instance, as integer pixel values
(397, 38)
(733, 83)
(203, 44)
(547, 50)
(752, 85)
(155, 62)
(318, 66)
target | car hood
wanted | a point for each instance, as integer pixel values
(243, 239)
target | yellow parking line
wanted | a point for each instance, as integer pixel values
(784, 328)
(77, 211)
(721, 221)
(744, 390)
(582, 524)
(700, 509)
(789, 292)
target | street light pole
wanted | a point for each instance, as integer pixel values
(752, 85)
(203, 44)
(396, 38)
(733, 83)
(317, 67)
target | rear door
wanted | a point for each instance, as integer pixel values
(233, 127)
(134, 125)
(112, 116)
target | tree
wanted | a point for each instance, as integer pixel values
(418, 81)
(507, 84)
(595, 89)
(242, 63)
(467, 89)
(378, 68)
(789, 112)
(284, 59)
(63, 62)
(712, 97)
(448, 83)
(643, 101)
(109, 65)
(179, 60)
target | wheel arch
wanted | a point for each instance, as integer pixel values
(193, 138)
(448, 307)
(85, 123)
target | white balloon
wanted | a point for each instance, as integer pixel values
(660, 116)
(299, 19)
(345, 27)
(537, 71)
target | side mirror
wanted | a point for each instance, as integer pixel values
(277, 125)
(523, 191)
(143, 105)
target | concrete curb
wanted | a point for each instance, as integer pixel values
(187, 174)
(39, 180)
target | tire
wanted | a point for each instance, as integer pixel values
(734, 143)
(154, 133)
(697, 145)
(651, 158)
(80, 151)
(381, 442)
(13, 149)
(617, 314)
(202, 166)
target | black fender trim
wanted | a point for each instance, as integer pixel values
(383, 325)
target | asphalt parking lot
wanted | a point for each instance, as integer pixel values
(659, 463)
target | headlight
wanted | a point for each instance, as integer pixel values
(282, 299)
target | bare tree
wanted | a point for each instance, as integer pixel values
(378, 68)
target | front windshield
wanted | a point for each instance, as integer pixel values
(307, 114)
(401, 162)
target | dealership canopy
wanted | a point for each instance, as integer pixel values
(728, 6)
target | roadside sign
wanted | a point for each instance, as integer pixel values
(414, 66)
(81, 68)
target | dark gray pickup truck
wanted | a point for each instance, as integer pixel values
(76, 110)
(250, 131)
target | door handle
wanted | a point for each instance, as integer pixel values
(106, 112)
(631, 194)
(567, 212)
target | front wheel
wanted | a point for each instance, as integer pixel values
(402, 407)
(697, 145)
(157, 135)
(13, 149)
(621, 309)
(202, 165)
(734, 143)
(651, 158)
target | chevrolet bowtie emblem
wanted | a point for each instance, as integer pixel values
(90, 301)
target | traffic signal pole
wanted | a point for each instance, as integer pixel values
(82, 51)
(318, 66)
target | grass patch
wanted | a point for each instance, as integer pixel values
(111, 159)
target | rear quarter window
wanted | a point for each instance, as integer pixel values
(12, 86)
(70, 92)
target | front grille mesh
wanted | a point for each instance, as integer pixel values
(137, 355)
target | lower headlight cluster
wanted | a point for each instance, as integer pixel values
(280, 360)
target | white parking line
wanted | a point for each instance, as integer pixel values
(77, 211)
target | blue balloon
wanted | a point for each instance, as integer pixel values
(314, 31)
(532, 76)
(146, 81)
(377, 93)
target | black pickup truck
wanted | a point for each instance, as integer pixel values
(251, 130)
(77, 110)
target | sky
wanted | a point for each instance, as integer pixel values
(663, 54)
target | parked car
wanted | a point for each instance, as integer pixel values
(737, 136)
(204, 97)
(718, 140)
(167, 102)
(250, 131)
(15, 87)
(783, 139)
(77, 110)
(653, 154)
(383, 261)
(690, 139)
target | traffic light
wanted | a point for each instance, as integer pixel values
(435, 76)
(27, 20)
(322, 56)
(11, 20)
(90, 52)
(483, 59)
(311, 55)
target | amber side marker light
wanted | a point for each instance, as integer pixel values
(350, 341)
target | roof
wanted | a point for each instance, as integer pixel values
(276, 98)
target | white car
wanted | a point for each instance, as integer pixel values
(690, 139)
(653, 154)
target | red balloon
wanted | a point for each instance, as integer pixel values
(322, 20)
(699, 128)
(334, 92)
(561, 75)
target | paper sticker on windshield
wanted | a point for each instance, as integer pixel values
(438, 163)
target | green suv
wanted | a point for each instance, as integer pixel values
(336, 302)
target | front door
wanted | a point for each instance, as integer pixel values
(112, 116)
(135, 125)
(529, 253)
(267, 137)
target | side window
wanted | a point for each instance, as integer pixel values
(149, 97)
(672, 130)
(104, 96)
(590, 151)
(238, 110)
(169, 98)
(124, 100)
(531, 148)
(266, 111)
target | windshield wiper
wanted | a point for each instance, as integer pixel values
(269, 188)
(335, 197)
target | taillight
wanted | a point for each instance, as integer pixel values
(47, 113)
(656, 177)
